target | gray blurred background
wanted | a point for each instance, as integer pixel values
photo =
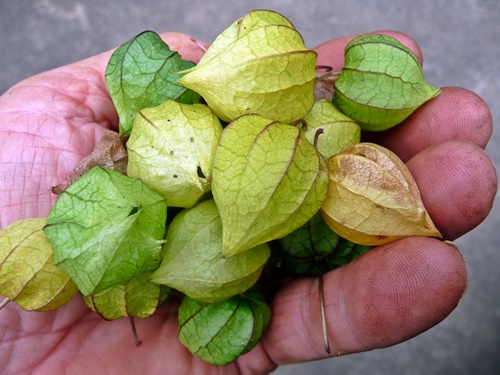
(461, 45)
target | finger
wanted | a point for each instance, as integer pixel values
(455, 114)
(388, 295)
(458, 184)
(331, 53)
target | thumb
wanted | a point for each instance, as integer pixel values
(389, 295)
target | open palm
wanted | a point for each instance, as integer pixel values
(49, 122)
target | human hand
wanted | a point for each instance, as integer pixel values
(49, 122)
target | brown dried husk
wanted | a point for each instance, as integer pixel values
(373, 198)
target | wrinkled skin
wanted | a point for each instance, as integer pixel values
(394, 292)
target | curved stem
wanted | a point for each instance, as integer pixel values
(316, 137)
(134, 331)
(323, 314)
(197, 42)
(326, 68)
(301, 122)
(333, 75)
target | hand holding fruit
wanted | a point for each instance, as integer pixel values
(388, 295)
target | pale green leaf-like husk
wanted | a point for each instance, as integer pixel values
(381, 84)
(254, 19)
(106, 228)
(142, 73)
(171, 149)
(259, 65)
(28, 275)
(220, 332)
(193, 262)
(136, 298)
(268, 180)
(339, 131)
